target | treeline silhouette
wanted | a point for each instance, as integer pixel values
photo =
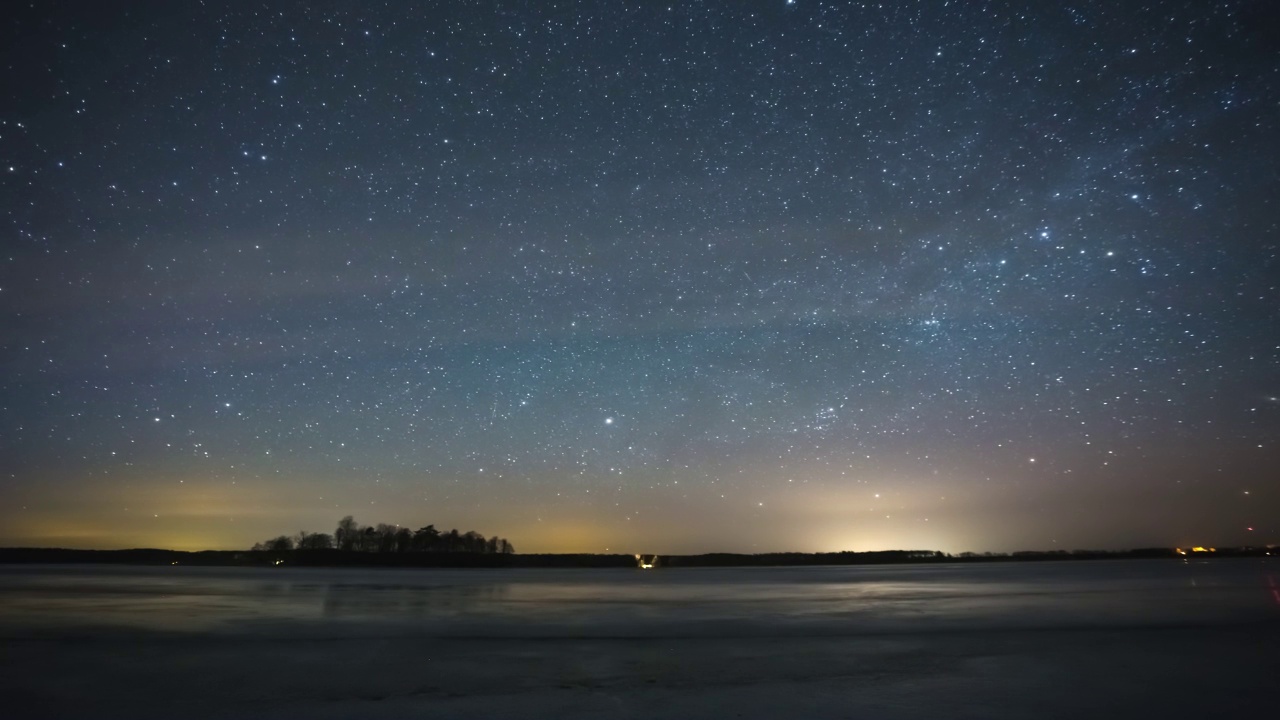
(321, 555)
(351, 536)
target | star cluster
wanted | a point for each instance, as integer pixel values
(640, 276)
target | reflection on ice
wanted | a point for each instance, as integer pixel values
(703, 601)
(1045, 640)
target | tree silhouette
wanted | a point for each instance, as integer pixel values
(284, 543)
(425, 539)
(347, 533)
(351, 536)
(313, 541)
(386, 537)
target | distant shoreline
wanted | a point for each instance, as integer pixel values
(340, 558)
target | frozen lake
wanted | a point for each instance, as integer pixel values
(1053, 639)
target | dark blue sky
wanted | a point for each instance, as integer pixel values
(642, 276)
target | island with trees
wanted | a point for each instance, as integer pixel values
(350, 536)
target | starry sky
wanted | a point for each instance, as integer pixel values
(642, 276)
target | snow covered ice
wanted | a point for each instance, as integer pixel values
(1052, 639)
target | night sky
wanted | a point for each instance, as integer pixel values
(642, 276)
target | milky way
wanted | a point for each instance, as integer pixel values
(701, 276)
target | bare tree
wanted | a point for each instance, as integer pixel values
(386, 539)
(404, 540)
(347, 534)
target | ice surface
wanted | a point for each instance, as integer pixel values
(1064, 639)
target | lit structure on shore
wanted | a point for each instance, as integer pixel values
(1195, 550)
